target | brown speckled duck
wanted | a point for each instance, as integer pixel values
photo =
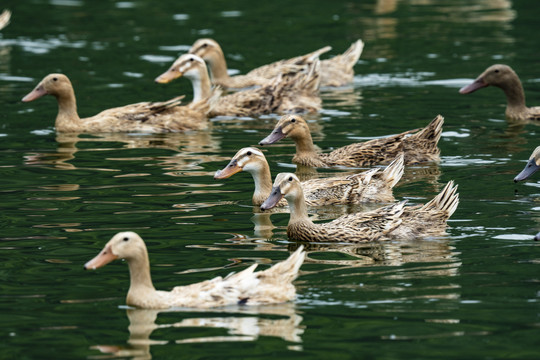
(532, 166)
(153, 117)
(337, 71)
(393, 221)
(503, 77)
(417, 145)
(369, 186)
(293, 92)
(273, 285)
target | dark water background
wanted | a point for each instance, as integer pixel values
(472, 294)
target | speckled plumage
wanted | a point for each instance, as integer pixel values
(154, 117)
(293, 92)
(273, 285)
(336, 71)
(368, 186)
(419, 145)
(505, 78)
(393, 221)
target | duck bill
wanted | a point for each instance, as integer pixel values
(273, 199)
(103, 258)
(529, 169)
(228, 171)
(477, 84)
(38, 92)
(275, 136)
(168, 76)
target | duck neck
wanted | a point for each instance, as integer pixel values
(263, 183)
(218, 67)
(140, 280)
(515, 96)
(67, 110)
(202, 86)
(304, 146)
(297, 207)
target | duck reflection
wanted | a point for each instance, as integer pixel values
(241, 323)
(190, 149)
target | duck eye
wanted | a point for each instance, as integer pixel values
(125, 239)
(55, 79)
(290, 179)
(496, 70)
(204, 45)
(249, 153)
(293, 120)
(191, 59)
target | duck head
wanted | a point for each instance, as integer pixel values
(286, 185)
(124, 245)
(208, 49)
(187, 65)
(52, 84)
(247, 159)
(496, 75)
(532, 166)
(292, 126)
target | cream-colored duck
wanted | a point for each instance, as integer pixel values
(417, 145)
(532, 166)
(337, 71)
(293, 92)
(393, 221)
(273, 285)
(503, 77)
(156, 117)
(369, 186)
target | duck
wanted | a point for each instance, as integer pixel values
(293, 92)
(337, 71)
(418, 145)
(505, 78)
(148, 117)
(388, 222)
(247, 287)
(374, 185)
(532, 166)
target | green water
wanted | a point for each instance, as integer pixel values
(470, 295)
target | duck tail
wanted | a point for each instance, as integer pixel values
(447, 201)
(286, 270)
(394, 171)
(353, 53)
(310, 81)
(427, 139)
(4, 18)
(315, 55)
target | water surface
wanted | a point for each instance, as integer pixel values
(470, 294)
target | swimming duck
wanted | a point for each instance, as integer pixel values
(273, 285)
(393, 221)
(502, 76)
(155, 117)
(291, 92)
(532, 166)
(417, 145)
(336, 71)
(369, 186)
